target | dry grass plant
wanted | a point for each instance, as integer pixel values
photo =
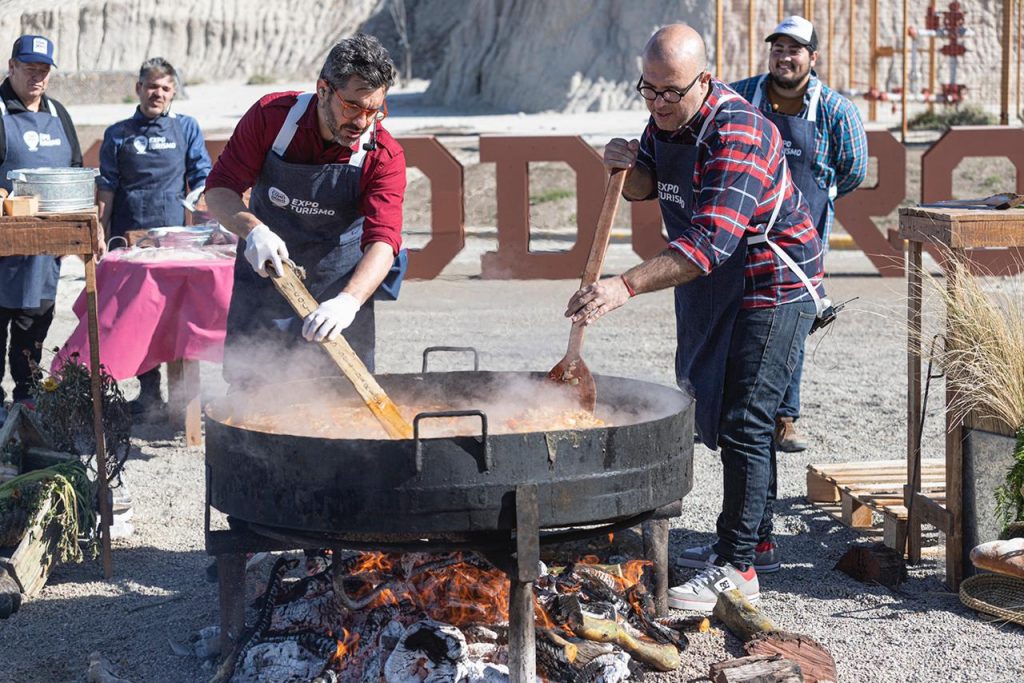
(985, 360)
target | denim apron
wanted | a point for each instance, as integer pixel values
(314, 208)
(34, 140)
(706, 308)
(151, 166)
(799, 136)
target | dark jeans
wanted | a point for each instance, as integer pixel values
(28, 328)
(791, 401)
(763, 354)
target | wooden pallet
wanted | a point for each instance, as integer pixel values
(852, 492)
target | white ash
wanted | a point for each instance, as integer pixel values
(306, 613)
(429, 652)
(279, 662)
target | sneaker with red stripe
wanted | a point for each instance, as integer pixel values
(700, 594)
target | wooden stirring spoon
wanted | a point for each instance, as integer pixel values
(571, 372)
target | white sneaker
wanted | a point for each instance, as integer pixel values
(700, 593)
(767, 559)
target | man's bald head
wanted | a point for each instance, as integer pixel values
(678, 47)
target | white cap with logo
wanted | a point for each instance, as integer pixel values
(797, 28)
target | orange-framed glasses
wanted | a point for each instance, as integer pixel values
(350, 110)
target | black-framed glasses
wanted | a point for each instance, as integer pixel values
(670, 95)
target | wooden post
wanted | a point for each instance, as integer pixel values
(92, 315)
(852, 58)
(751, 25)
(781, 10)
(873, 62)
(184, 398)
(913, 398)
(954, 450)
(906, 68)
(831, 37)
(1004, 89)
(932, 66)
(231, 582)
(719, 23)
(809, 10)
(656, 550)
(1020, 52)
(522, 632)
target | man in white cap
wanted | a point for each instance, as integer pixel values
(826, 151)
(35, 131)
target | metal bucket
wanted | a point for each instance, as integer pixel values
(58, 189)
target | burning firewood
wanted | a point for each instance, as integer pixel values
(659, 656)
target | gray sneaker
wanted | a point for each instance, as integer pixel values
(700, 594)
(767, 558)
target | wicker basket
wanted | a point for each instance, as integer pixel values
(995, 594)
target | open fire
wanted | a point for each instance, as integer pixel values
(407, 618)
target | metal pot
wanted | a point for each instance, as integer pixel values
(466, 484)
(58, 189)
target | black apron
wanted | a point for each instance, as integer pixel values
(706, 308)
(151, 168)
(799, 136)
(34, 140)
(314, 208)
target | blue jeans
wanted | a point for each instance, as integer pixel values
(791, 401)
(763, 354)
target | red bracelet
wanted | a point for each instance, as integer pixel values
(629, 287)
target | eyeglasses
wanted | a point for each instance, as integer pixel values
(351, 111)
(670, 95)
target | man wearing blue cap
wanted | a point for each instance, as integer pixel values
(35, 132)
(826, 151)
(147, 164)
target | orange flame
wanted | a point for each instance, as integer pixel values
(346, 646)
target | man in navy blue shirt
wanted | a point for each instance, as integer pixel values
(149, 164)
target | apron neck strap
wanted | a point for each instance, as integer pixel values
(291, 123)
(711, 116)
(367, 139)
(49, 106)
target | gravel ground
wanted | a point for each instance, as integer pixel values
(854, 398)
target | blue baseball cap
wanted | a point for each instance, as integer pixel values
(33, 49)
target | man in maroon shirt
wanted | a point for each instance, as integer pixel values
(327, 184)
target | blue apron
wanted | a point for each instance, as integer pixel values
(799, 136)
(706, 308)
(151, 166)
(34, 140)
(314, 208)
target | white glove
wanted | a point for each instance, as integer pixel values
(262, 245)
(192, 198)
(330, 318)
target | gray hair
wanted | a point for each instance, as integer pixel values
(363, 56)
(160, 66)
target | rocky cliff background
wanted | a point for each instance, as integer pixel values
(513, 55)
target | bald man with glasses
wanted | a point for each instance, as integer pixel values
(746, 264)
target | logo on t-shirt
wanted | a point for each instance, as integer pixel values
(140, 143)
(278, 198)
(790, 150)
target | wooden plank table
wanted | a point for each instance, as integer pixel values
(954, 232)
(67, 234)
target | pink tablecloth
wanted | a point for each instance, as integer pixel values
(155, 312)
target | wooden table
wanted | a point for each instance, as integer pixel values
(954, 232)
(67, 234)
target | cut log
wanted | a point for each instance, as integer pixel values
(756, 669)
(743, 619)
(659, 656)
(874, 564)
(815, 661)
(31, 561)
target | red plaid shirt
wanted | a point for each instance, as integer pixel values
(736, 182)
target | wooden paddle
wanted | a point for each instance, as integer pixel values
(383, 408)
(571, 371)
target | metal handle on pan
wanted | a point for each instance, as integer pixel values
(451, 413)
(452, 349)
